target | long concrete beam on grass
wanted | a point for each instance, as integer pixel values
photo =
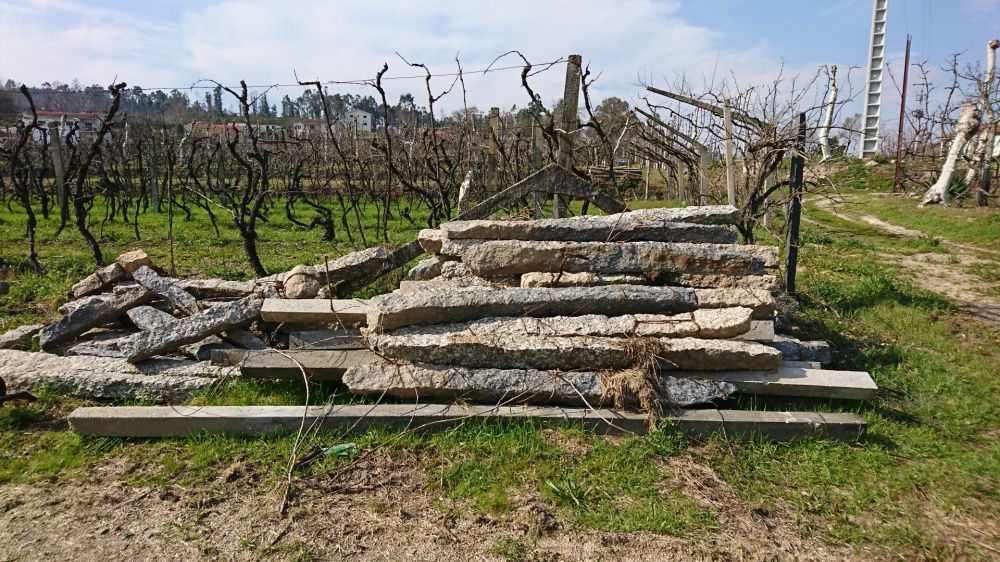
(796, 381)
(277, 364)
(154, 421)
(345, 312)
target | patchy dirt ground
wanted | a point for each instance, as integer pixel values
(387, 513)
(946, 274)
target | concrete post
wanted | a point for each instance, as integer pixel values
(568, 123)
(703, 164)
(493, 158)
(727, 117)
(536, 164)
(55, 144)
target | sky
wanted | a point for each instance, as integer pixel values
(172, 43)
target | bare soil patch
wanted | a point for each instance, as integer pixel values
(943, 274)
(388, 512)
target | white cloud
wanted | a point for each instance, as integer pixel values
(264, 42)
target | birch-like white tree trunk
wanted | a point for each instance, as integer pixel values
(968, 125)
(982, 143)
(831, 102)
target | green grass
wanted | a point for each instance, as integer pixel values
(974, 226)
(926, 473)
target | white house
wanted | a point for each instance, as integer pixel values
(88, 123)
(308, 127)
(360, 119)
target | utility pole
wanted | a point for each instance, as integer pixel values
(873, 85)
(902, 118)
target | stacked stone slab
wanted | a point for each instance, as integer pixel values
(590, 309)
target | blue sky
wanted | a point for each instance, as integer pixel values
(176, 42)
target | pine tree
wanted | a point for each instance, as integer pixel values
(265, 108)
(217, 102)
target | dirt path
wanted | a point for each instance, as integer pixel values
(390, 513)
(945, 274)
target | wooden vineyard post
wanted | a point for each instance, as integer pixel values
(568, 124)
(795, 207)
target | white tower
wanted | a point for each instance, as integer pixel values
(873, 87)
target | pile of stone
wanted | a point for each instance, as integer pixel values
(631, 309)
(650, 310)
(130, 332)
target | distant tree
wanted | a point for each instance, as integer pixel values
(264, 109)
(288, 107)
(217, 102)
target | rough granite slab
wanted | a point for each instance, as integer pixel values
(760, 300)
(710, 324)
(19, 337)
(439, 306)
(488, 258)
(167, 289)
(96, 311)
(624, 227)
(512, 386)
(219, 318)
(439, 345)
(161, 380)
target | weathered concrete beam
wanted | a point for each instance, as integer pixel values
(710, 324)
(155, 421)
(761, 301)
(462, 276)
(800, 382)
(348, 338)
(195, 328)
(19, 337)
(275, 364)
(563, 279)
(767, 254)
(765, 282)
(345, 312)
(148, 318)
(793, 349)
(439, 345)
(622, 227)
(178, 297)
(760, 330)
(217, 288)
(443, 283)
(514, 386)
(105, 378)
(241, 337)
(388, 312)
(514, 257)
(98, 310)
